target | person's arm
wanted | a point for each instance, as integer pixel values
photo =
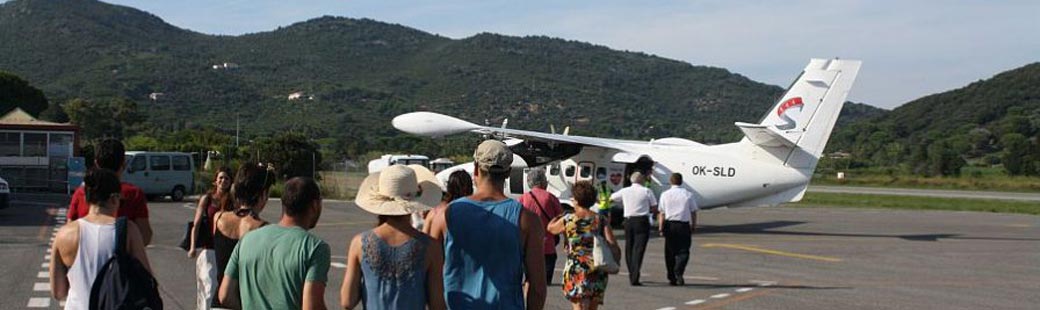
(228, 293)
(133, 236)
(534, 261)
(693, 222)
(199, 209)
(616, 196)
(609, 234)
(556, 226)
(439, 226)
(350, 291)
(140, 205)
(314, 296)
(435, 277)
(317, 276)
(660, 222)
(58, 270)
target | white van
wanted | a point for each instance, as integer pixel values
(161, 173)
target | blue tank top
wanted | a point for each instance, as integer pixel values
(483, 255)
(393, 277)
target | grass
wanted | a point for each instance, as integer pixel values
(340, 185)
(980, 179)
(916, 203)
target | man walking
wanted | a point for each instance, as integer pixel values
(491, 243)
(638, 202)
(111, 155)
(281, 266)
(543, 203)
(678, 216)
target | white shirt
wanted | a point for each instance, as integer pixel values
(96, 243)
(637, 200)
(677, 203)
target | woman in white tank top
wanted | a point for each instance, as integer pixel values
(82, 247)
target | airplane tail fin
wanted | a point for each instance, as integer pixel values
(798, 126)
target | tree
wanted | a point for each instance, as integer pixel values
(943, 159)
(116, 118)
(1016, 156)
(17, 93)
(292, 154)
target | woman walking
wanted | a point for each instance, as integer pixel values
(217, 199)
(399, 266)
(249, 192)
(581, 285)
(460, 184)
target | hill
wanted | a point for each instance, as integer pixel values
(983, 123)
(353, 75)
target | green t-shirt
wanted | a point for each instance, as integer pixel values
(272, 263)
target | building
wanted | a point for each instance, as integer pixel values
(34, 154)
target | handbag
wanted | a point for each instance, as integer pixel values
(201, 235)
(604, 254)
(186, 241)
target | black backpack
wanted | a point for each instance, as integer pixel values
(123, 282)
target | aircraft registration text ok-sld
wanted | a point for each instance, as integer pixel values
(728, 172)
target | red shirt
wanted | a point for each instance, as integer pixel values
(550, 208)
(133, 205)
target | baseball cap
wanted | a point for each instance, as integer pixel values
(494, 156)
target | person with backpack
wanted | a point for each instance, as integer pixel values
(82, 248)
(111, 154)
(544, 204)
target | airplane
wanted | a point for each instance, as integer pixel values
(771, 165)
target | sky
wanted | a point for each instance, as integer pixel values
(909, 49)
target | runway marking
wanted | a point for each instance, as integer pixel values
(720, 296)
(38, 302)
(695, 302)
(744, 290)
(666, 308)
(338, 265)
(43, 274)
(773, 252)
(41, 286)
(45, 265)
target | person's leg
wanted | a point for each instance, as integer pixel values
(682, 249)
(640, 236)
(669, 252)
(550, 266)
(629, 245)
(206, 274)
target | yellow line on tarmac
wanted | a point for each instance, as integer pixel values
(773, 252)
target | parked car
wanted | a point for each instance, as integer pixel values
(161, 173)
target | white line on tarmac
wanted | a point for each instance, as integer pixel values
(667, 308)
(744, 289)
(45, 265)
(695, 302)
(339, 265)
(720, 296)
(41, 286)
(38, 302)
(43, 274)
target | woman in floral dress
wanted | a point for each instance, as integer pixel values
(583, 287)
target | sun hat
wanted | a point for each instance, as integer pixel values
(399, 190)
(494, 156)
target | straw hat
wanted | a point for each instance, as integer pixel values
(399, 190)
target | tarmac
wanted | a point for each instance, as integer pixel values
(751, 258)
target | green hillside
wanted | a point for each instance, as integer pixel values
(356, 74)
(990, 122)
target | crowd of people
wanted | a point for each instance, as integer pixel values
(470, 247)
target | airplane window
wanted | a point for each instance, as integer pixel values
(601, 173)
(569, 172)
(554, 169)
(586, 172)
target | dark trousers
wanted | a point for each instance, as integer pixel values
(637, 234)
(550, 266)
(676, 248)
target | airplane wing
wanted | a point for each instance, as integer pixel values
(439, 125)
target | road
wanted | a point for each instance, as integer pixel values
(926, 192)
(754, 258)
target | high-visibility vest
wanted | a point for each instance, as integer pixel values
(604, 198)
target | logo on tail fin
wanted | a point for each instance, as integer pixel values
(782, 112)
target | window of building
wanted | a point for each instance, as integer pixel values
(35, 145)
(60, 145)
(160, 163)
(10, 144)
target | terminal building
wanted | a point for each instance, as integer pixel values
(34, 154)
